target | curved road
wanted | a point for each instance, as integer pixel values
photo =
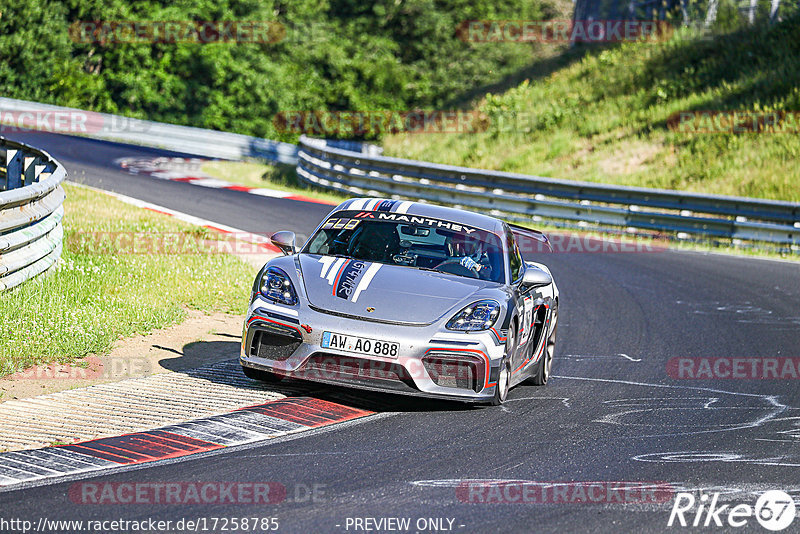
(611, 413)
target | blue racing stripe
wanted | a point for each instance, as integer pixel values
(386, 205)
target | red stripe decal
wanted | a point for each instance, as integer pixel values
(260, 318)
(339, 275)
(499, 337)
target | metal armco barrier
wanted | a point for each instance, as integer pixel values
(534, 198)
(31, 210)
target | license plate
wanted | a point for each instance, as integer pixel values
(360, 345)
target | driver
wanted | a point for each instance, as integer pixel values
(469, 251)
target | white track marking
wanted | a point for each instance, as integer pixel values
(564, 400)
(582, 357)
(269, 193)
(778, 407)
(711, 456)
(210, 182)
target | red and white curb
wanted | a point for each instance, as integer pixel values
(187, 170)
(246, 425)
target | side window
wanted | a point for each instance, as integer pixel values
(514, 259)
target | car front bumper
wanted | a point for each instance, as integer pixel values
(431, 361)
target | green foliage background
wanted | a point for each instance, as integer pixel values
(337, 55)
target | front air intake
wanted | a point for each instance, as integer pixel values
(455, 371)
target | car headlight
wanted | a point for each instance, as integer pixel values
(477, 316)
(276, 286)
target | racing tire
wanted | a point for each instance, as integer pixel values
(263, 376)
(542, 373)
(504, 377)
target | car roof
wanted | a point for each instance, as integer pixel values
(469, 218)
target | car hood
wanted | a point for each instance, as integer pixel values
(376, 291)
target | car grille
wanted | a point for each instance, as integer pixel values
(350, 370)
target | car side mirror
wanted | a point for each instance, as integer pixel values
(536, 277)
(284, 240)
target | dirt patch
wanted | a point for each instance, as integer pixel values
(199, 340)
(633, 157)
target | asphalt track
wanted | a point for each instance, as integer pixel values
(612, 412)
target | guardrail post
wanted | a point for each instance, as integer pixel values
(14, 160)
(31, 169)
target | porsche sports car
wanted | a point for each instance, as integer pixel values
(404, 297)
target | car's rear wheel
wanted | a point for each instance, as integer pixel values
(542, 373)
(257, 374)
(504, 377)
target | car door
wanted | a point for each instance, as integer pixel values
(523, 300)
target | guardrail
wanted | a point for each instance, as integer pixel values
(533, 198)
(31, 210)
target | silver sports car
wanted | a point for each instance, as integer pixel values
(404, 297)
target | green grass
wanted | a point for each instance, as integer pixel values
(603, 117)
(97, 296)
(278, 177)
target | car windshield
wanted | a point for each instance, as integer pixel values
(411, 241)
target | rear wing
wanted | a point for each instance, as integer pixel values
(530, 233)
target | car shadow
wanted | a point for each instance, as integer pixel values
(217, 361)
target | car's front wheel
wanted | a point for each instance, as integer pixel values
(542, 373)
(257, 374)
(504, 377)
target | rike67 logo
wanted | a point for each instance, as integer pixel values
(774, 510)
